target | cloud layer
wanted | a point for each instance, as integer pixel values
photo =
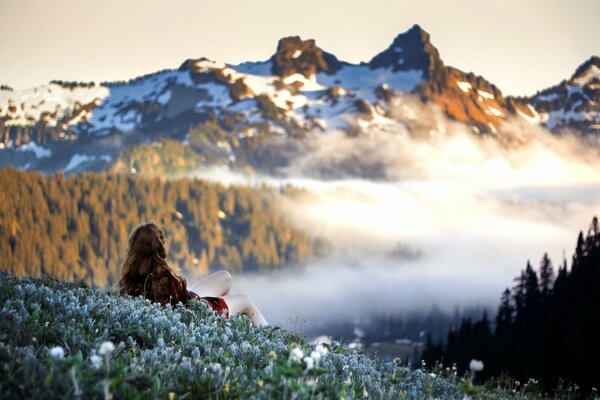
(426, 213)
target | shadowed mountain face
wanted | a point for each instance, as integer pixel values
(74, 127)
(573, 103)
(411, 50)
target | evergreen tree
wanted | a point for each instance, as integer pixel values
(546, 276)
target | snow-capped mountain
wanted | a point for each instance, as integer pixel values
(574, 103)
(301, 88)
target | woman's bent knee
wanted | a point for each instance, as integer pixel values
(226, 275)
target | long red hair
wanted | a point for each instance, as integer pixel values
(145, 270)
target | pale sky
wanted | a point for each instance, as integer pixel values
(520, 45)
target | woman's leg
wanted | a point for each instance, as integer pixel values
(214, 285)
(241, 304)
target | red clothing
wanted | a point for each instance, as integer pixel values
(218, 304)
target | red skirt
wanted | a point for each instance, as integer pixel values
(218, 304)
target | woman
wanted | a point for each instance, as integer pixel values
(146, 272)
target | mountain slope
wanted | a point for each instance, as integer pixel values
(574, 103)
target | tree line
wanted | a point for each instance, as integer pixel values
(547, 326)
(77, 227)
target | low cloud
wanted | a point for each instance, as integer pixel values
(424, 213)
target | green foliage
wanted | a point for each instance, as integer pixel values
(77, 227)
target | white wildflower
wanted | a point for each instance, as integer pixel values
(96, 361)
(296, 355)
(310, 363)
(476, 365)
(106, 348)
(316, 356)
(57, 352)
(348, 380)
(322, 350)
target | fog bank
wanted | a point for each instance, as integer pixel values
(425, 213)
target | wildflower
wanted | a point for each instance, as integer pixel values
(476, 365)
(57, 352)
(260, 383)
(227, 387)
(296, 355)
(322, 350)
(106, 348)
(310, 363)
(397, 360)
(171, 395)
(96, 361)
(316, 356)
(348, 380)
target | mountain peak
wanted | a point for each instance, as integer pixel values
(297, 56)
(416, 30)
(587, 72)
(409, 51)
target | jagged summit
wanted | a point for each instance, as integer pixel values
(411, 50)
(588, 72)
(297, 56)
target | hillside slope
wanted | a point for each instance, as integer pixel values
(161, 352)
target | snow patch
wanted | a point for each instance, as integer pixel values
(26, 107)
(39, 151)
(464, 86)
(308, 84)
(591, 74)
(536, 118)
(495, 111)
(485, 95)
(559, 117)
(547, 97)
(164, 97)
(79, 159)
(205, 65)
(260, 68)
(362, 80)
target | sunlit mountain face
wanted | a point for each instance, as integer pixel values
(420, 186)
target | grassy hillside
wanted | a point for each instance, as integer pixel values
(53, 338)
